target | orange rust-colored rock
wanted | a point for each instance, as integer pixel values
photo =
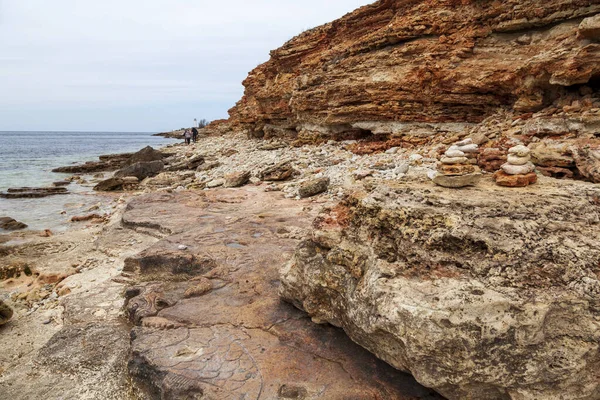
(504, 179)
(432, 61)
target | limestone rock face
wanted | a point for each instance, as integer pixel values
(431, 61)
(482, 293)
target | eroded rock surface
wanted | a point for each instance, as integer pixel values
(234, 338)
(482, 293)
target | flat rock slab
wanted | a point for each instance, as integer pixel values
(236, 338)
(27, 192)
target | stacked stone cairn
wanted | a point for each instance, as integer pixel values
(457, 167)
(519, 170)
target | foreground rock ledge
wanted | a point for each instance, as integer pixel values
(480, 293)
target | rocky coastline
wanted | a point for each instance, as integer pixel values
(404, 205)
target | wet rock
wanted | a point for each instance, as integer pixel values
(110, 184)
(413, 273)
(141, 170)
(10, 224)
(278, 172)
(61, 183)
(28, 192)
(6, 313)
(237, 179)
(107, 162)
(313, 187)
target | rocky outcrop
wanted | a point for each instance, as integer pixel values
(29, 192)
(141, 170)
(480, 293)
(207, 319)
(10, 224)
(406, 73)
(433, 62)
(111, 162)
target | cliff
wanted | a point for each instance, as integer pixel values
(404, 67)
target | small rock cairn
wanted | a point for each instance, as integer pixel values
(518, 171)
(457, 168)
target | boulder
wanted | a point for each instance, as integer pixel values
(6, 313)
(494, 295)
(237, 179)
(278, 172)
(147, 154)
(10, 224)
(141, 170)
(109, 184)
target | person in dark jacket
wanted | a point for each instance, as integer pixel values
(194, 134)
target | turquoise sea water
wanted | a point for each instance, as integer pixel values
(27, 158)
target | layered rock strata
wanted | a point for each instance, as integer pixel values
(484, 294)
(417, 73)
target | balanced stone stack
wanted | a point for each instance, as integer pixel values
(457, 168)
(519, 170)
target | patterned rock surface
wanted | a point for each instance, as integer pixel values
(481, 293)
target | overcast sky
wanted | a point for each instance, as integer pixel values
(138, 65)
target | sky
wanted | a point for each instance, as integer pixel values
(138, 65)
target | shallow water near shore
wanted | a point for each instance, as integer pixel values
(27, 159)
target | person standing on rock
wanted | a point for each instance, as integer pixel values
(194, 134)
(188, 136)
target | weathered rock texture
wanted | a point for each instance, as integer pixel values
(482, 293)
(208, 319)
(419, 72)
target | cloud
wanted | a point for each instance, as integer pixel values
(140, 64)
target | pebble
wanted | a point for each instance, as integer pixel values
(182, 247)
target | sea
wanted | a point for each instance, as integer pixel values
(27, 158)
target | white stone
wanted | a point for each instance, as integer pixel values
(470, 148)
(516, 160)
(518, 169)
(393, 150)
(454, 153)
(454, 160)
(182, 247)
(520, 151)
